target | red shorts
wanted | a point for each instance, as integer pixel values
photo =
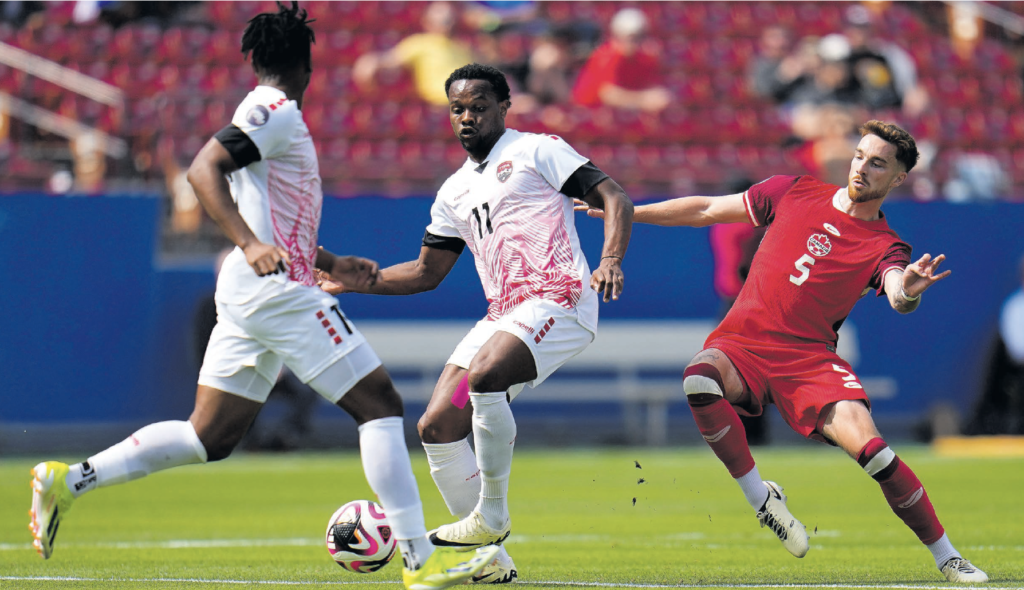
(804, 381)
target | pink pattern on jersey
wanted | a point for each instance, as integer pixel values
(295, 213)
(529, 256)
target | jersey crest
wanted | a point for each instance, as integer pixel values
(504, 170)
(819, 245)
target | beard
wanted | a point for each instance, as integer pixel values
(865, 195)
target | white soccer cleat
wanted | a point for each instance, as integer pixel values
(777, 517)
(471, 532)
(51, 500)
(958, 569)
(500, 571)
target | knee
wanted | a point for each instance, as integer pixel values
(218, 447)
(386, 404)
(486, 376)
(703, 384)
(435, 428)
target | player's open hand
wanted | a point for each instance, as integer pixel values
(355, 273)
(921, 275)
(582, 206)
(608, 279)
(325, 282)
(266, 259)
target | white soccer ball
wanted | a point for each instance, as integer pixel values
(359, 537)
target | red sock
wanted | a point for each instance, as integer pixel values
(721, 427)
(903, 491)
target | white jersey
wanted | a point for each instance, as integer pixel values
(279, 195)
(518, 226)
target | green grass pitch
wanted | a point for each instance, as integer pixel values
(257, 521)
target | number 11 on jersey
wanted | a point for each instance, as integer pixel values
(479, 222)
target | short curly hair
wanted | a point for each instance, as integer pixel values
(481, 72)
(906, 147)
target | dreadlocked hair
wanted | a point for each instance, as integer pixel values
(278, 41)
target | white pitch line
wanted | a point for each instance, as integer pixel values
(538, 582)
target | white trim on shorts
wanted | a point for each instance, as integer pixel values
(551, 332)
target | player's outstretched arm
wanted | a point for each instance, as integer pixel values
(208, 177)
(414, 276)
(607, 279)
(689, 211)
(905, 288)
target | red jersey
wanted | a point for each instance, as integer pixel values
(814, 263)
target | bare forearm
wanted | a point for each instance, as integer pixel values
(406, 278)
(903, 305)
(689, 211)
(618, 226)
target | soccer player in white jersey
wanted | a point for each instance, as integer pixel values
(259, 179)
(511, 204)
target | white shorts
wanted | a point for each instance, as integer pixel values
(298, 326)
(550, 331)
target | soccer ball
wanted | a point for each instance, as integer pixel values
(359, 537)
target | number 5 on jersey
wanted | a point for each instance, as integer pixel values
(803, 264)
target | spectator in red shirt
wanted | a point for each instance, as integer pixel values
(623, 73)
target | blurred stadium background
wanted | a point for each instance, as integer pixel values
(110, 259)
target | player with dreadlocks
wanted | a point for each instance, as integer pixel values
(270, 313)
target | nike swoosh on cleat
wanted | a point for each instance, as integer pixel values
(438, 541)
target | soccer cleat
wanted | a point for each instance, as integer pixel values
(51, 500)
(958, 569)
(777, 517)
(447, 567)
(501, 570)
(469, 533)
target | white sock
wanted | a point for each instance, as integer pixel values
(753, 488)
(152, 448)
(456, 475)
(494, 431)
(389, 472)
(942, 550)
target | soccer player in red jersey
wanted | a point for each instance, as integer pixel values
(826, 246)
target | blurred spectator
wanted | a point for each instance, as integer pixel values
(826, 73)
(186, 214)
(1000, 408)
(430, 56)
(625, 72)
(90, 162)
(550, 70)
(492, 15)
(975, 177)
(774, 69)
(883, 74)
(829, 134)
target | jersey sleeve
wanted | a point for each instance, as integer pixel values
(441, 223)
(556, 161)
(762, 199)
(269, 127)
(897, 257)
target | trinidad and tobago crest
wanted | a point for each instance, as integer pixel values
(504, 170)
(819, 245)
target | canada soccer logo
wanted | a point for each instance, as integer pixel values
(819, 245)
(504, 171)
